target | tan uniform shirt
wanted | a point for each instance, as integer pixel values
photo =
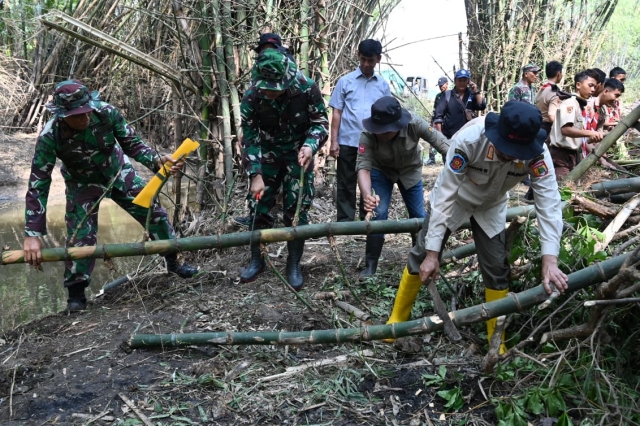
(547, 100)
(474, 182)
(568, 112)
(400, 159)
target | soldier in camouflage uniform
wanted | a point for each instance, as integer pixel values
(523, 90)
(93, 141)
(284, 124)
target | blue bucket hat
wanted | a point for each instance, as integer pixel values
(516, 131)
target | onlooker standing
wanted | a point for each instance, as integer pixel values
(523, 90)
(390, 153)
(613, 112)
(443, 85)
(547, 99)
(455, 108)
(351, 102)
(568, 128)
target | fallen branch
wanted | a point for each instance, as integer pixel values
(136, 410)
(339, 360)
(593, 207)
(362, 316)
(617, 222)
(624, 234)
(590, 303)
(493, 356)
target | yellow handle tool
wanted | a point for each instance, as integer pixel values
(145, 197)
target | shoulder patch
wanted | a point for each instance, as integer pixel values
(458, 163)
(361, 149)
(490, 152)
(536, 159)
(569, 109)
(539, 168)
(430, 129)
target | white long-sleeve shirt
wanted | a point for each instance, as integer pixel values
(474, 182)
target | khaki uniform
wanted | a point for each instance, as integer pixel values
(565, 151)
(401, 158)
(474, 185)
(547, 100)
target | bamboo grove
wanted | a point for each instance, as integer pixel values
(175, 68)
(504, 35)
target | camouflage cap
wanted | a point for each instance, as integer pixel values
(71, 97)
(273, 70)
(530, 67)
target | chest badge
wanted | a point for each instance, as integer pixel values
(490, 152)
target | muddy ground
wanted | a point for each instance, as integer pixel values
(79, 369)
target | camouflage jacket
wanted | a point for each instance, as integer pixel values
(522, 92)
(92, 156)
(297, 118)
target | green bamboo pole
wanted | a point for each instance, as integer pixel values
(303, 63)
(223, 84)
(619, 186)
(625, 124)
(236, 239)
(513, 303)
(205, 112)
(231, 65)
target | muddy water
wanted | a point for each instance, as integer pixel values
(26, 293)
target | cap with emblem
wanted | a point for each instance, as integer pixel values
(516, 131)
(273, 70)
(71, 97)
(442, 81)
(386, 116)
(530, 67)
(462, 74)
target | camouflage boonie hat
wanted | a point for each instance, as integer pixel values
(530, 67)
(273, 70)
(71, 97)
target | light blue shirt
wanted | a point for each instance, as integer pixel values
(354, 94)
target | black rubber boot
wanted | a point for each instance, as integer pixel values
(372, 254)
(294, 272)
(183, 271)
(244, 220)
(256, 266)
(77, 301)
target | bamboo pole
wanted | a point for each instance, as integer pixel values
(514, 302)
(223, 85)
(619, 186)
(625, 124)
(231, 67)
(303, 63)
(263, 236)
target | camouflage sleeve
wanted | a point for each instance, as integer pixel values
(319, 129)
(251, 147)
(131, 143)
(42, 165)
(515, 94)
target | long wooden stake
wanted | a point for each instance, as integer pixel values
(334, 247)
(296, 216)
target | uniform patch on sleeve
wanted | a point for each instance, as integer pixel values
(539, 168)
(490, 152)
(430, 129)
(458, 163)
(361, 149)
(569, 109)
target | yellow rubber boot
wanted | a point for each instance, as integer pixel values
(491, 295)
(407, 293)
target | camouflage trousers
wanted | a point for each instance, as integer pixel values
(281, 169)
(81, 198)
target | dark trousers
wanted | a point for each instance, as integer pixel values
(347, 182)
(492, 254)
(564, 160)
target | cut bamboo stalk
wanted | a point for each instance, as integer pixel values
(514, 302)
(617, 223)
(237, 239)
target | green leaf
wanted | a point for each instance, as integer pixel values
(534, 403)
(564, 420)
(555, 404)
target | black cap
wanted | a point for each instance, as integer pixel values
(516, 131)
(268, 38)
(442, 81)
(386, 116)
